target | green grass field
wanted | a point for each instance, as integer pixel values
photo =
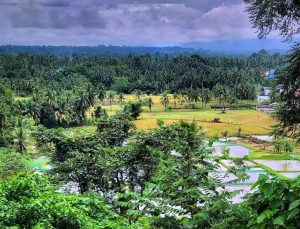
(251, 122)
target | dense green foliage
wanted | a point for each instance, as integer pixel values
(289, 109)
(275, 203)
(30, 201)
(270, 15)
(284, 16)
(118, 177)
(27, 73)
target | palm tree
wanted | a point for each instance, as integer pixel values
(175, 97)
(90, 95)
(218, 92)
(63, 113)
(205, 96)
(149, 103)
(20, 135)
(110, 95)
(225, 135)
(83, 105)
(164, 100)
(138, 94)
(101, 93)
(239, 131)
(121, 98)
(50, 99)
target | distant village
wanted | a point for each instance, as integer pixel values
(264, 94)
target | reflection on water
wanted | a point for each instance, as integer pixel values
(242, 191)
(290, 174)
(234, 151)
(281, 165)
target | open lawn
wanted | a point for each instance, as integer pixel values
(251, 122)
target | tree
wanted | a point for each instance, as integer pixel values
(121, 99)
(120, 84)
(110, 95)
(269, 211)
(149, 103)
(133, 109)
(175, 98)
(205, 96)
(20, 135)
(184, 188)
(288, 146)
(239, 131)
(114, 130)
(284, 16)
(272, 15)
(225, 134)
(100, 112)
(30, 201)
(289, 108)
(63, 113)
(138, 94)
(11, 163)
(278, 146)
(164, 100)
(101, 92)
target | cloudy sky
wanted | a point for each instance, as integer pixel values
(122, 22)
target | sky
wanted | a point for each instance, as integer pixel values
(122, 22)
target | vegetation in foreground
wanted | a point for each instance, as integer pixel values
(124, 178)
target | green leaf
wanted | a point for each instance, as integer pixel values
(294, 204)
(261, 218)
(293, 213)
(279, 220)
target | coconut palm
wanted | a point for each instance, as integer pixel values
(164, 100)
(138, 94)
(175, 98)
(101, 93)
(149, 103)
(110, 95)
(225, 135)
(239, 131)
(121, 98)
(205, 96)
(50, 99)
(20, 135)
(90, 95)
(63, 113)
(83, 104)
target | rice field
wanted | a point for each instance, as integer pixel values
(251, 122)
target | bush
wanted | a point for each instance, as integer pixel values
(216, 120)
(133, 109)
(160, 122)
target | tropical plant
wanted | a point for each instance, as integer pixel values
(111, 96)
(269, 211)
(149, 103)
(164, 100)
(20, 135)
(225, 134)
(121, 99)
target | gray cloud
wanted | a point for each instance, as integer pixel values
(32, 16)
(94, 22)
(56, 3)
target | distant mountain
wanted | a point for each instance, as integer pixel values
(243, 47)
(97, 50)
(222, 47)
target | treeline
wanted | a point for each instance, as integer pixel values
(62, 90)
(28, 72)
(98, 50)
